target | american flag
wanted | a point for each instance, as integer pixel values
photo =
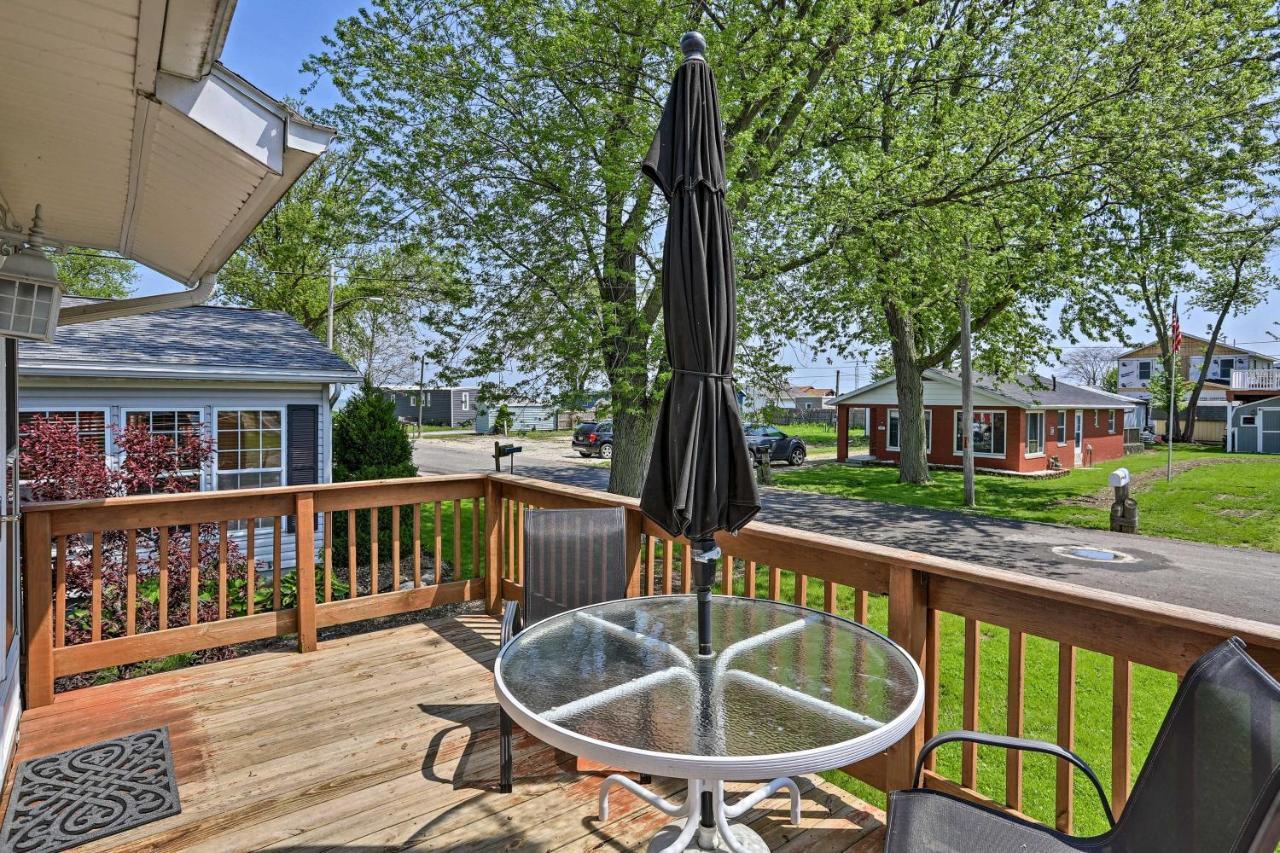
(1177, 327)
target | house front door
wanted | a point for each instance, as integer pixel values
(1078, 436)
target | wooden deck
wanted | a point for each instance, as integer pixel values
(380, 741)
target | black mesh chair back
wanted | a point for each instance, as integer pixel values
(572, 558)
(1212, 778)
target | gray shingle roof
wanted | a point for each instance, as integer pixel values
(1031, 389)
(202, 341)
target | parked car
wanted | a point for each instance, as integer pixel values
(594, 439)
(782, 447)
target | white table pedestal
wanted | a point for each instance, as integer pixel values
(689, 834)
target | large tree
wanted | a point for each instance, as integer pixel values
(89, 272)
(1089, 365)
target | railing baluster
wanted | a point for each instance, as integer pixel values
(519, 543)
(351, 553)
(802, 590)
(458, 574)
(222, 570)
(60, 595)
(438, 538)
(650, 546)
(775, 583)
(749, 578)
(860, 606)
(509, 528)
(726, 574)
(304, 511)
(668, 563)
(1121, 735)
(327, 520)
(1013, 757)
(373, 551)
(475, 538)
(686, 566)
(829, 596)
(96, 611)
(163, 557)
(1065, 798)
(131, 581)
(417, 544)
(194, 592)
(932, 678)
(972, 676)
(276, 553)
(395, 548)
(251, 566)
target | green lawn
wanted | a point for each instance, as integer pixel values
(821, 435)
(1233, 500)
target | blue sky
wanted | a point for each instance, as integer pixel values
(269, 40)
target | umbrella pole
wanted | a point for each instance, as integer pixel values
(705, 554)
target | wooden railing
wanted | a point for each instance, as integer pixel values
(955, 618)
(1255, 380)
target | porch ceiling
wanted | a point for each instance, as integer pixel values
(123, 126)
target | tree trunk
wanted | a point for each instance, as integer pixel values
(632, 443)
(1188, 432)
(966, 393)
(913, 463)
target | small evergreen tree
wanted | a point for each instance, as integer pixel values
(368, 441)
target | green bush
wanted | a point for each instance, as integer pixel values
(369, 444)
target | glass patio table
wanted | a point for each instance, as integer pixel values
(787, 691)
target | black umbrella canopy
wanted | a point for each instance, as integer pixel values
(700, 478)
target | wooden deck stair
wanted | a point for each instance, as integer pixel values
(379, 741)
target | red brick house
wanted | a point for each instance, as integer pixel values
(1019, 425)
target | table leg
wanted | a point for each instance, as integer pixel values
(721, 835)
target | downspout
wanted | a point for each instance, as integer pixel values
(112, 308)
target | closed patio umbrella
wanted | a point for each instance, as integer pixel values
(700, 478)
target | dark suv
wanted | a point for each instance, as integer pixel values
(594, 439)
(781, 447)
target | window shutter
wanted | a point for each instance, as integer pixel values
(303, 453)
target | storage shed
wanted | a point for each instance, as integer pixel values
(1255, 427)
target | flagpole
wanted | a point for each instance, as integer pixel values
(1172, 418)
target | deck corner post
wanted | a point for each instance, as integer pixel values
(908, 627)
(305, 567)
(842, 433)
(492, 545)
(634, 551)
(37, 582)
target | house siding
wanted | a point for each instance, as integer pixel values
(440, 407)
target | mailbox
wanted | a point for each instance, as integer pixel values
(501, 451)
(1119, 478)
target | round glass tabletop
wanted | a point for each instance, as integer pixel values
(788, 689)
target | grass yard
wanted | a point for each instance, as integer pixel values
(818, 436)
(1152, 692)
(1215, 497)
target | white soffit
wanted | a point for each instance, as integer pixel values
(123, 126)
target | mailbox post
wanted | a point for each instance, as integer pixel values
(1124, 510)
(500, 450)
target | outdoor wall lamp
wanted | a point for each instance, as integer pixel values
(30, 292)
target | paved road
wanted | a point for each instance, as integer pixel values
(1235, 581)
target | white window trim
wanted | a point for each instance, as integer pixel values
(1040, 453)
(108, 435)
(1151, 365)
(1111, 421)
(284, 442)
(1061, 424)
(207, 430)
(928, 431)
(466, 401)
(955, 433)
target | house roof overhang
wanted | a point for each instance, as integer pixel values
(133, 138)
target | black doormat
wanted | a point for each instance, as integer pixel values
(80, 795)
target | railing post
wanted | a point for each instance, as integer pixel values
(305, 567)
(633, 552)
(37, 582)
(492, 545)
(908, 627)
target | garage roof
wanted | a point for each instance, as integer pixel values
(123, 126)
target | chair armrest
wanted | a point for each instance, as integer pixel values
(510, 622)
(1023, 744)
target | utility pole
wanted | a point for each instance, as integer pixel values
(966, 391)
(333, 283)
(837, 383)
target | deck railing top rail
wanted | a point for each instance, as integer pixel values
(1265, 379)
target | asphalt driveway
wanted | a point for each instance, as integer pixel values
(1234, 581)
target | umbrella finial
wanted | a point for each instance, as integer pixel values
(693, 45)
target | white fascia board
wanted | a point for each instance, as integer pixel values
(194, 34)
(30, 368)
(857, 392)
(217, 103)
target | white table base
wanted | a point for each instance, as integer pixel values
(690, 835)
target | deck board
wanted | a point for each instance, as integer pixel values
(378, 741)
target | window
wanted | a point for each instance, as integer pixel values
(987, 435)
(90, 424)
(1096, 415)
(892, 439)
(773, 432)
(466, 401)
(1248, 420)
(1111, 420)
(248, 448)
(1035, 433)
(1225, 367)
(413, 399)
(1061, 430)
(1144, 371)
(175, 425)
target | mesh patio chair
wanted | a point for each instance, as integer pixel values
(572, 558)
(1211, 783)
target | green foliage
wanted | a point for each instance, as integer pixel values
(1159, 388)
(89, 272)
(1111, 380)
(368, 441)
